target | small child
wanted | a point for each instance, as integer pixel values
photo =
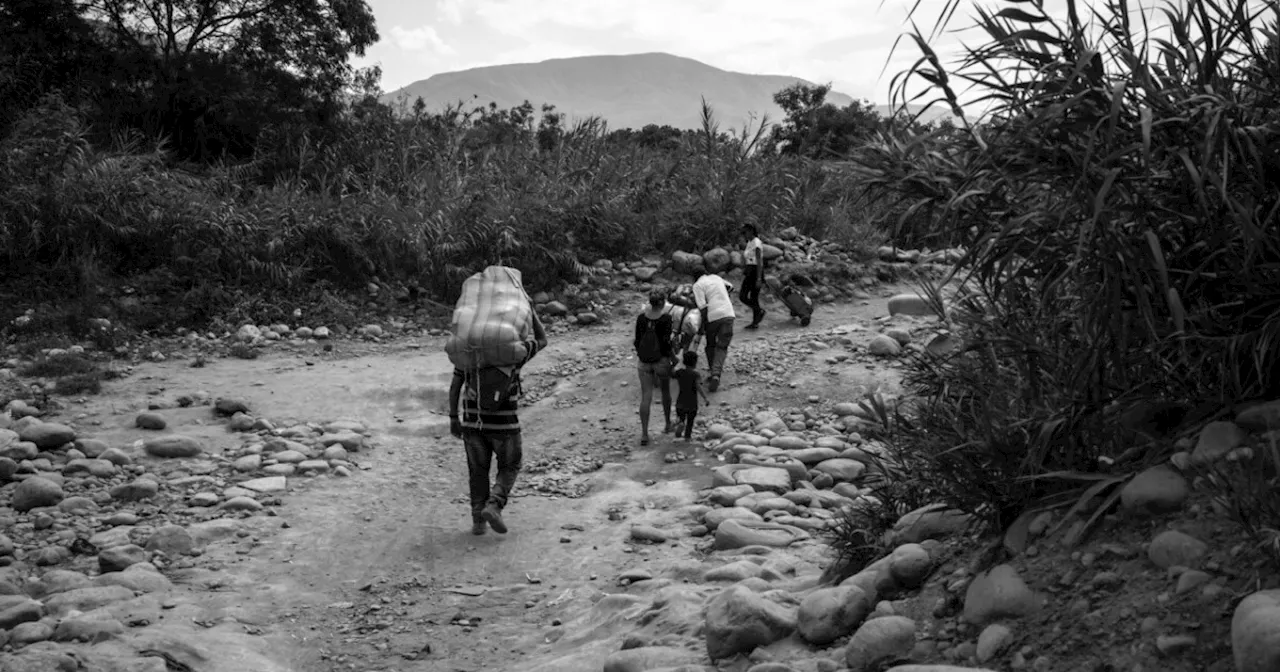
(689, 382)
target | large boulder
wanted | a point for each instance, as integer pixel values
(686, 263)
(173, 445)
(742, 533)
(36, 492)
(929, 522)
(718, 259)
(841, 469)
(910, 304)
(827, 614)
(739, 620)
(1257, 418)
(715, 518)
(47, 435)
(998, 594)
(878, 640)
(1255, 632)
(772, 479)
(726, 495)
(1216, 440)
(642, 658)
(1160, 489)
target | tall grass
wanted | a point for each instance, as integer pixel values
(1119, 204)
(403, 196)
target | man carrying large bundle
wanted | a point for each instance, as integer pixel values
(495, 332)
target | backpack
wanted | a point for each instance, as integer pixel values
(650, 348)
(493, 387)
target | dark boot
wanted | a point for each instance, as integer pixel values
(493, 516)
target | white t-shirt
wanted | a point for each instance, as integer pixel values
(750, 252)
(712, 292)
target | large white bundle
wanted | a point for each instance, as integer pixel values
(491, 321)
(685, 320)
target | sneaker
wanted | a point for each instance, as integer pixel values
(493, 516)
(753, 326)
(713, 383)
(477, 526)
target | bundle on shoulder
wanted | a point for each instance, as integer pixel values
(493, 321)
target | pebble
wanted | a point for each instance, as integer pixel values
(1173, 645)
(647, 533)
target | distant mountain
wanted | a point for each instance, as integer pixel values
(629, 91)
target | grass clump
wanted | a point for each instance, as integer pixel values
(80, 383)
(71, 373)
(1245, 487)
(60, 366)
(861, 532)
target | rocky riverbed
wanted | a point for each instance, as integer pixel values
(307, 512)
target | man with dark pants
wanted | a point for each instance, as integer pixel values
(752, 275)
(488, 434)
(711, 294)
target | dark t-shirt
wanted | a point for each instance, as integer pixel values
(687, 380)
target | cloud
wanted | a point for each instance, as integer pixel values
(450, 10)
(419, 39)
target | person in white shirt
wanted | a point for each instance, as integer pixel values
(711, 294)
(752, 275)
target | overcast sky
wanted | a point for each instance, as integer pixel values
(845, 42)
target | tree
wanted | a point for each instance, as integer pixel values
(818, 129)
(207, 75)
(44, 46)
(308, 38)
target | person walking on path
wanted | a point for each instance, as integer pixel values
(752, 275)
(491, 431)
(711, 294)
(653, 350)
(690, 383)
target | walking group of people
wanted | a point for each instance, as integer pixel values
(662, 343)
(487, 421)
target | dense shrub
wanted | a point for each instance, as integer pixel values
(397, 195)
(1119, 205)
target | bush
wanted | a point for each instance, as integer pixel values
(408, 197)
(1119, 209)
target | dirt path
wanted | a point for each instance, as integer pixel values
(379, 571)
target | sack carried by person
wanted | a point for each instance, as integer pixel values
(492, 321)
(687, 321)
(649, 350)
(682, 296)
(493, 387)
